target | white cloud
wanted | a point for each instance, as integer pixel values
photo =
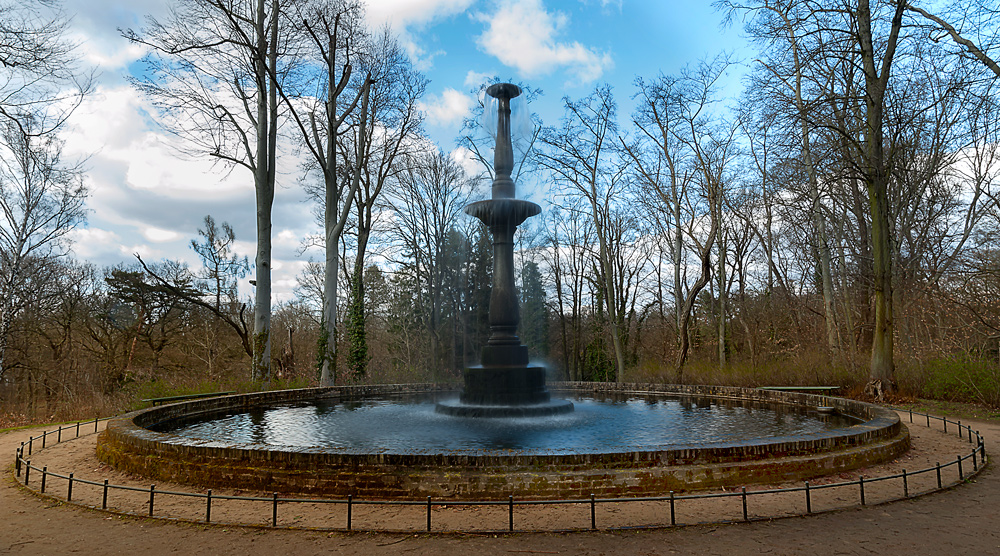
(404, 15)
(401, 13)
(94, 27)
(446, 109)
(468, 161)
(145, 251)
(159, 235)
(476, 79)
(610, 3)
(523, 35)
(113, 127)
(89, 243)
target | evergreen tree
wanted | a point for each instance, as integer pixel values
(534, 312)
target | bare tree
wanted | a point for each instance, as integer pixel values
(664, 172)
(42, 81)
(336, 41)
(389, 132)
(214, 73)
(778, 25)
(426, 207)
(977, 14)
(41, 200)
(711, 143)
(580, 155)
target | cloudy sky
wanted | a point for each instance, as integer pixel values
(147, 199)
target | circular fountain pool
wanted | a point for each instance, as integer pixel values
(410, 425)
(622, 440)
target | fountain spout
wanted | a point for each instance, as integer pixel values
(503, 154)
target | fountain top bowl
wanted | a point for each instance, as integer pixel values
(503, 90)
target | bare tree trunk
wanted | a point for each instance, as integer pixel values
(881, 378)
(722, 292)
(692, 296)
(678, 254)
(819, 229)
(267, 133)
(558, 277)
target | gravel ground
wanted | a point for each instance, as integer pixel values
(960, 519)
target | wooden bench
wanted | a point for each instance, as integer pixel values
(823, 389)
(168, 399)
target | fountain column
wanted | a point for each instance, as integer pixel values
(504, 384)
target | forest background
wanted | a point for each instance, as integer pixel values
(836, 224)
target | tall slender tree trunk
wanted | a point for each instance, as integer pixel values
(706, 274)
(335, 215)
(331, 268)
(558, 277)
(267, 133)
(819, 231)
(678, 253)
(723, 309)
(819, 220)
(881, 377)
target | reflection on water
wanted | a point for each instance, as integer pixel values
(410, 426)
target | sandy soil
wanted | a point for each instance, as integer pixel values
(963, 518)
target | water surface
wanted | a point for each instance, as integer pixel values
(410, 426)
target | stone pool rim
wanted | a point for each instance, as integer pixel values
(128, 446)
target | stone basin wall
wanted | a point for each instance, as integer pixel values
(129, 446)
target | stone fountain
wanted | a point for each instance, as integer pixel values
(504, 384)
(386, 442)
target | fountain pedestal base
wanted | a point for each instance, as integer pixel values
(498, 390)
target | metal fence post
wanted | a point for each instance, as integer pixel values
(938, 469)
(59, 435)
(78, 429)
(745, 517)
(672, 520)
(906, 486)
(274, 509)
(510, 513)
(31, 439)
(961, 476)
(593, 513)
(17, 461)
(428, 514)
(96, 419)
(27, 471)
(809, 505)
(45, 434)
(104, 499)
(208, 506)
(861, 481)
(69, 489)
(45, 472)
(350, 500)
(152, 490)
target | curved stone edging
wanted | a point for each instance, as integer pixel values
(130, 447)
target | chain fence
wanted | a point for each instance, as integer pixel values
(656, 511)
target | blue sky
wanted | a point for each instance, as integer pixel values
(146, 199)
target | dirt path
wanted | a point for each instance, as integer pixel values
(965, 518)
